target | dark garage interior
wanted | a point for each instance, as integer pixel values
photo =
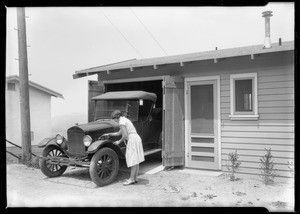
(154, 86)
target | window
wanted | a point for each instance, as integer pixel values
(11, 86)
(145, 109)
(243, 97)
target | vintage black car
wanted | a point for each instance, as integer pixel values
(86, 147)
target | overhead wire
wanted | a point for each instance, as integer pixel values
(121, 34)
(148, 32)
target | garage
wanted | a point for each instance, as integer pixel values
(169, 91)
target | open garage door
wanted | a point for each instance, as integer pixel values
(173, 121)
(94, 89)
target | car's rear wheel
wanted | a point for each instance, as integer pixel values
(49, 169)
(104, 166)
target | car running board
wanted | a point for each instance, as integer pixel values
(152, 151)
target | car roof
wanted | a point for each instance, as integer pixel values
(126, 95)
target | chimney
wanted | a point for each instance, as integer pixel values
(267, 15)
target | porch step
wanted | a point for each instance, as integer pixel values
(152, 151)
(202, 172)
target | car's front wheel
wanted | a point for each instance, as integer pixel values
(104, 166)
(49, 169)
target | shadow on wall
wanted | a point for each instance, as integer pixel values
(61, 123)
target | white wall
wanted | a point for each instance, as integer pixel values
(40, 115)
(12, 116)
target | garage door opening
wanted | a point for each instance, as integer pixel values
(170, 104)
(152, 144)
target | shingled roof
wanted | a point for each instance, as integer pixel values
(198, 56)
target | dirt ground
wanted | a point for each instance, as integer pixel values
(28, 187)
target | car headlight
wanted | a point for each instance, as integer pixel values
(59, 139)
(87, 140)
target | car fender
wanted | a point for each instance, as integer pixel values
(47, 141)
(52, 141)
(95, 146)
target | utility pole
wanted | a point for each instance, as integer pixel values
(24, 88)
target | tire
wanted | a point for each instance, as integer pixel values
(52, 170)
(104, 166)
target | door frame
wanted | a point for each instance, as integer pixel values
(186, 122)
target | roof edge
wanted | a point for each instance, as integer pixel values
(195, 56)
(37, 86)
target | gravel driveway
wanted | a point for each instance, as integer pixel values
(28, 187)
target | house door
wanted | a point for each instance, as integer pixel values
(202, 126)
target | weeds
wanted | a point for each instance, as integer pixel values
(267, 168)
(279, 204)
(193, 195)
(184, 198)
(238, 193)
(209, 196)
(33, 162)
(234, 164)
(291, 167)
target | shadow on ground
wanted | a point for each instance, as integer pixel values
(151, 162)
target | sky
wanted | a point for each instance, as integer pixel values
(63, 40)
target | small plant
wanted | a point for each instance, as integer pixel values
(234, 164)
(291, 167)
(279, 204)
(209, 196)
(267, 168)
(238, 193)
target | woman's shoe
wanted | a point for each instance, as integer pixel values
(128, 182)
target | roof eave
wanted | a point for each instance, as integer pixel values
(243, 51)
(37, 86)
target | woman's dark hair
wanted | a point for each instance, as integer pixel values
(116, 114)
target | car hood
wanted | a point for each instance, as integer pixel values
(96, 125)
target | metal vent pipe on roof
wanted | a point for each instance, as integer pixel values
(267, 15)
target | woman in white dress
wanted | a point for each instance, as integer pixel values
(134, 148)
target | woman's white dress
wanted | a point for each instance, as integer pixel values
(134, 148)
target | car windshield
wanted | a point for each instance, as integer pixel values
(104, 108)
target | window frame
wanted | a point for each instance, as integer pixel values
(244, 115)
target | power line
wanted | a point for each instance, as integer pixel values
(149, 32)
(121, 34)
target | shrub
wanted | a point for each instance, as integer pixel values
(267, 168)
(234, 164)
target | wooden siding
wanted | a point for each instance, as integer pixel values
(274, 129)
